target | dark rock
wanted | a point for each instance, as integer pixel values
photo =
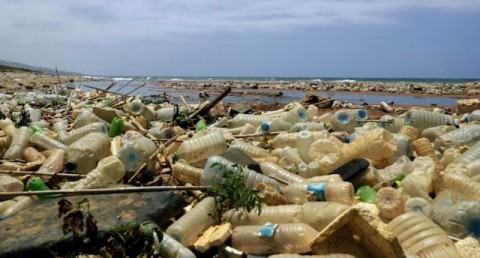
(37, 232)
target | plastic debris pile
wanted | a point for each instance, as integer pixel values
(404, 185)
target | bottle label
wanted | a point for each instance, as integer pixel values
(267, 230)
(317, 190)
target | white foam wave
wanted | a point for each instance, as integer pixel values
(92, 77)
(347, 80)
(177, 79)
(317, 80)
(121, 79)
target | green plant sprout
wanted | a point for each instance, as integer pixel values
(232, 193)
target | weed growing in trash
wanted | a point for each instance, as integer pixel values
(232, 193)
(19, 119)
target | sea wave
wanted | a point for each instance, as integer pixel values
(346, 80)
(177, 79)
(92, 77)
(121, 79)
(317, 80)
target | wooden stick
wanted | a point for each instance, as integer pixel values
(210, 105)
(126, 84)
(104, 191)
(95, 88)
(59, 82)
(130, 92)
(40, 173)
(184, 102)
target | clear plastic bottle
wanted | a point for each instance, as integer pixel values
(391, 123)
(139, 109)
(472, 154)
(420, 237)
(390, 202)
(473, 169)
(467, 135)
(187, 228)
(46, 142)
(61, 128)
(213, 174)
(53, 164)
(251, 150)
(10, 184)
(276, 171)
(202, 147)
(255, 120)
(136, 150)
(8, 127)
(300, 193)
(19, 142)
(404, 146)
(290, 154)
(422, 119)
(295, 115)
(287, 238)
(411, 132)
(423, 147)
(320, 214)
(87, 117)
(78, 133)
(186, 173)
(420, 205)
(275, 125)
(23, 202)
(166, 113)
(457, 214)
(305, 140)
(109, 170)
(433, 132)
(247, 129)
(308, 126)
(82, 156)
(290, 213)
(418, 183)
(344, 120)
(171, 248)
(462, 184)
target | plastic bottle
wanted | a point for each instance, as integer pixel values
(402, 165)
(422, 119)
(324, 118)
(286, 238)
(391, 123)
(423, 147)
(61, 128)
(462, 184)
(418, 183)
(411, 132)
(53, 164)
(378, 145)
(276, 171)
(390, 202)
(202, 147)
(46, 142)
(109, 170)
(8, 127)
(137, 108)
(19, 142)
(82, 156)
(187, 228)
(320, 214)
(213, 174)
(347, 120)
(186, 173)
(136, 150)
(116, 128)
(36, 184)
(472, 154)
(166, 113)
(290, 154)
(305, 140)
(308, 126)
(366, 194)
(78, 133)
(404, 147)
(295, 115)
(10, 184)
(171, 248)
(251, 150)
(457, 214)
(420, 205)
(300, 193)
(312, 111)
(473, 169)
(247, 129)
(420, 237)
(275, 125)
(290, 213)
(467, 135)
(87, 117)
(23, 202)
(255, 120)
(433, 132)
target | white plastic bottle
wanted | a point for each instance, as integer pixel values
(78, 133)
(171, 248)
(467, 135)
(61, 128)
(422, 119)
(186, 173)
(275, 125)
(251, 150)
(138, 108)
(188, 227)
(276, 171)
(87, 117)
(136, 150)
(289, 213)
(255, 120)
(300, 193)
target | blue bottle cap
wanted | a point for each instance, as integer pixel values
(318, 190)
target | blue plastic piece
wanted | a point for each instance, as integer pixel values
(267, 230)
(318, 190)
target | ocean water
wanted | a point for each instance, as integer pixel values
(125, 85)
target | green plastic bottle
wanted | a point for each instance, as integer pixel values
(201, 125)
(36, 128)
(116, 127)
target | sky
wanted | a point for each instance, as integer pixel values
(271, 38)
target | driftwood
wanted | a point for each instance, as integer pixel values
(206, 108)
